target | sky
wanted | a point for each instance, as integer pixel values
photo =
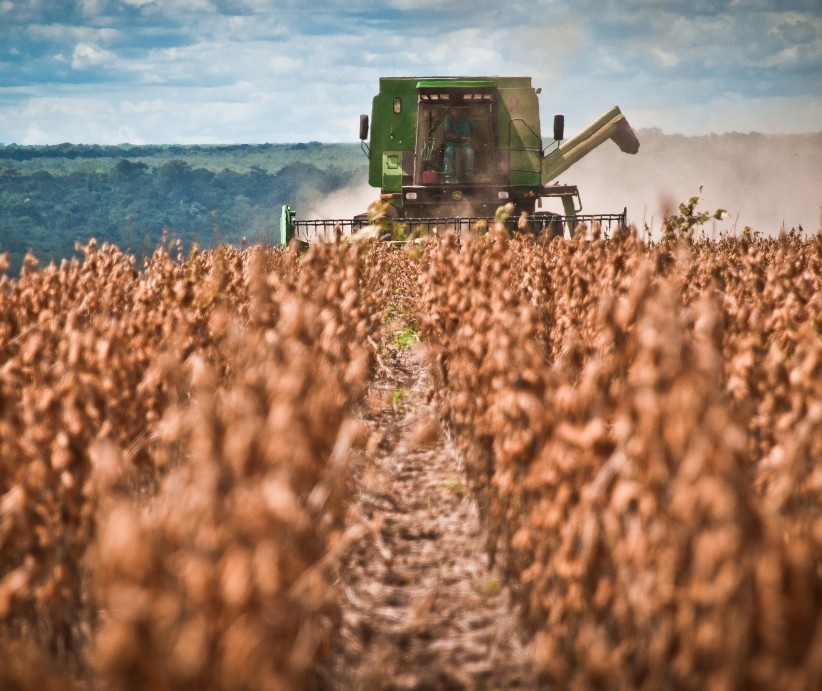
(254, 71)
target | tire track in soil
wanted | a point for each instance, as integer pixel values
(421, 607)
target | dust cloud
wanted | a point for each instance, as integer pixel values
(344, 203)
(766, 182)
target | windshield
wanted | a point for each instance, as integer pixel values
(455, 142)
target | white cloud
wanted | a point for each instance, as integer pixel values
(418, 4)
(786, 57)
(91, 8)
(258, 5)
(281, 70)
(665, 58)
(35, 135)
(465, 52)
(610, 62)
(283, 64)
(254, 27)
(142, 107)
(67, 32)
(128, 135)
(55, 119)
(85, 55)
(176, 7)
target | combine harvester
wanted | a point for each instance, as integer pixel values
(448, 152)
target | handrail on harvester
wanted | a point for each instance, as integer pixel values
(402, 230)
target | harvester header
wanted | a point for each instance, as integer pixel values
(443, 150)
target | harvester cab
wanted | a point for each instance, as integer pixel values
(450, 151)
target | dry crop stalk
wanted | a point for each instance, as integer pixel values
(603, 444)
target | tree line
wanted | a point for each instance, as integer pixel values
(132, 204)
(18, 152)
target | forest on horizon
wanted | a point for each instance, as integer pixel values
(54, 196)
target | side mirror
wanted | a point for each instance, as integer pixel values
(363, 127)
(559, 128)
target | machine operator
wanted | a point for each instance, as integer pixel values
(459, 155)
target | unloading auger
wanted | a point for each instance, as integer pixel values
(449, 152)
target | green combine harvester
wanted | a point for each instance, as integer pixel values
(448, 152)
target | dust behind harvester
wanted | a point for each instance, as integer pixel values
(450, 151)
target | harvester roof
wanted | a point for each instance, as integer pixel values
(394, 84)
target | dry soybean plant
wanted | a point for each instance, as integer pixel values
(641, 427)
(640, 424)
(143, 407)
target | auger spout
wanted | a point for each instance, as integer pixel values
(612, 125)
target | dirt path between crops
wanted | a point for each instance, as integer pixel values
(421, 608)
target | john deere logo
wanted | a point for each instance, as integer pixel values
(456, 195)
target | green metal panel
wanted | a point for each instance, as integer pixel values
(286, 229)
(518, 128)
(456, 83)
(392, 171)
(391, 132)
(472, 82)
(375, 143)
(520, 138)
